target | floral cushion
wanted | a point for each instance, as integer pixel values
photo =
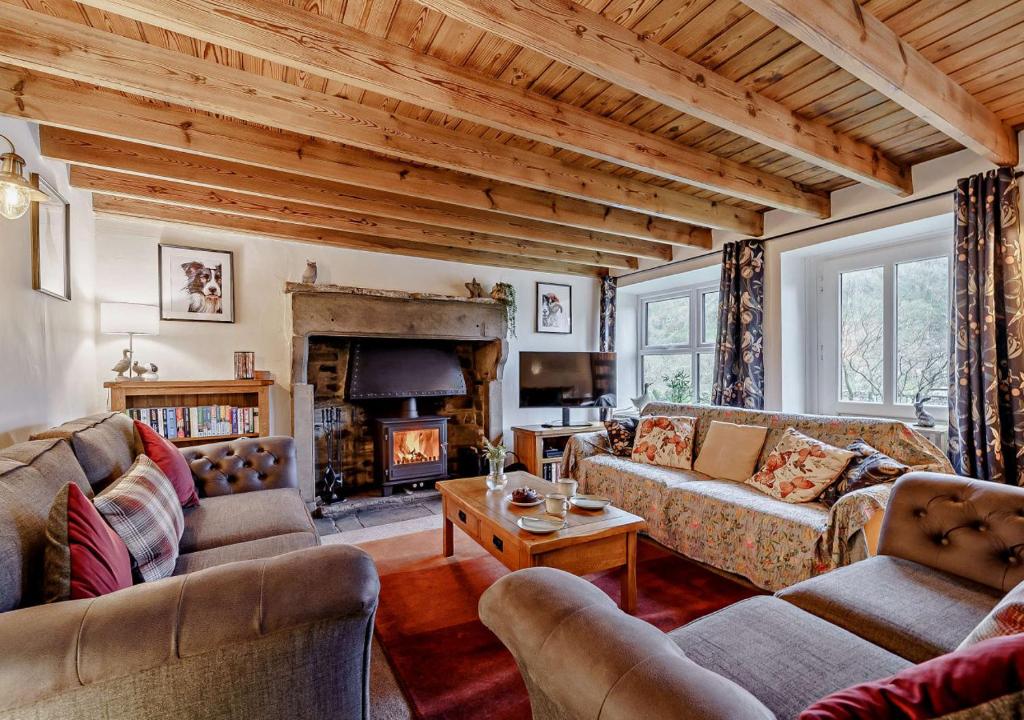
(666, 441)
(799, 468)
(621, 434)
(1006, 618)
(868, 467)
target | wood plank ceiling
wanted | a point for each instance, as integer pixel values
(585, 138)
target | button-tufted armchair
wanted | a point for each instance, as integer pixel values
(950, 548)
(258, 622)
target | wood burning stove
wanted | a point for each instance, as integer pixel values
(410, 449)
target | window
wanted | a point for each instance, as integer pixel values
(883, 330)
(677, 344)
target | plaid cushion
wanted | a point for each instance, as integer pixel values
(144, 511)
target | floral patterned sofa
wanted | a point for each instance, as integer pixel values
(734, 527)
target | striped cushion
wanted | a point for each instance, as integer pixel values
(144, 511)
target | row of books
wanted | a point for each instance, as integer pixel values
(199, 421)
(550, 471)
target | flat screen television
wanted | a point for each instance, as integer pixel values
(566, 380)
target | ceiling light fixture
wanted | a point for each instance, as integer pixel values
(16, 193)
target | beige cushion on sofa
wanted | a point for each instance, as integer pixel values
(729, 451)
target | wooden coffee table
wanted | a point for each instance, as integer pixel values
(592, 541)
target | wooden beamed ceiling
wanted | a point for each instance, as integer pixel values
(585, 137)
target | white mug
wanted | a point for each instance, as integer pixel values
(566, 486)
(556, 504)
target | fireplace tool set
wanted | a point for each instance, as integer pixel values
(330, 485)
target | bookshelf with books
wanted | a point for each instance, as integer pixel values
(198, 411)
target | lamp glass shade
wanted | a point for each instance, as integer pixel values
(16, 193)
(129, 319)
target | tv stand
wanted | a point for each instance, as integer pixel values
(566, 422)
(540, 448)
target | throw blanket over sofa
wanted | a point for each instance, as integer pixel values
(735, 527)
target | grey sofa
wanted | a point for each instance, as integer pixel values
(258, 621)
(950, 548)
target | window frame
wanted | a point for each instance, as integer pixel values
(823, 383)
(695, 347)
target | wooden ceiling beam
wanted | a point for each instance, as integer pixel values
(860, 43)
(67, 49)
(168, 192)
(45, 99)
(99, 152)
(294, 37)
(126, 207)
(584, 39)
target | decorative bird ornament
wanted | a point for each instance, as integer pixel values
(122, 365)
(309, 277)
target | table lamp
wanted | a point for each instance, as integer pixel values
(129, 319)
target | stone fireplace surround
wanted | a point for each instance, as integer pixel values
(327, 316)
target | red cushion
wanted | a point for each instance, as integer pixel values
(85, 558)
(171, 463)
(953, 682)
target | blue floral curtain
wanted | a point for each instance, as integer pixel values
(739, 353)
(986, 404)
(609, 287)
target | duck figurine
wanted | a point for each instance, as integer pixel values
(139, 369)
(122, 365)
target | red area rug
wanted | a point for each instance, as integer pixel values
(451, 667)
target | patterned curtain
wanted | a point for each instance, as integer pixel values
(739, 353)
(608, 289)
(986, 406)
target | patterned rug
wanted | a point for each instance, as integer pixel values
(451, 667)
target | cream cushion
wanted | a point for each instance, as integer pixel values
(729, 451)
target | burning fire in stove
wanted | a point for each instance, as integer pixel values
(416, 446)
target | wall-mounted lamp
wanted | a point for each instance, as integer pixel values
(16, 193)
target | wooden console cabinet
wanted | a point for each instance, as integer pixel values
(531, 442)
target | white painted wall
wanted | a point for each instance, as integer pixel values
(127, 271)
(47, 346)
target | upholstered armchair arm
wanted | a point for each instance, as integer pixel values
(849, 520)
(971, 528)
(286, 636)
(584, 659)
(243, 465)
(582, 446)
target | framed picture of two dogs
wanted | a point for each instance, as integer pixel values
(196, 284)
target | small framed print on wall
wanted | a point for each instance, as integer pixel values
(51, 243)
(196, 284)
(554, 308)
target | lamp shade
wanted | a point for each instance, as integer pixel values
(129, 319)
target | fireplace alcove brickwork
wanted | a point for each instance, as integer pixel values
(326, 318)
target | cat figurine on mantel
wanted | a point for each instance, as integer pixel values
(309, 277)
